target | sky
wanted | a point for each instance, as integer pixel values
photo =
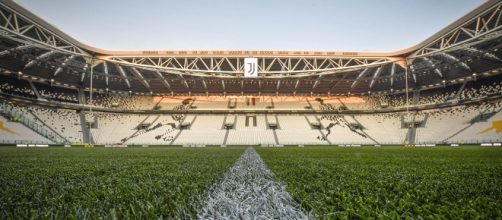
(321, 25)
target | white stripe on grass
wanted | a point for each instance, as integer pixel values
(248, 191)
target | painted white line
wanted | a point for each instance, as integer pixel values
(248, 191)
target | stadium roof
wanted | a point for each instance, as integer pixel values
(251, 25)
(31, 46)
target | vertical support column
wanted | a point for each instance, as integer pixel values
(81, 96)
(407, 103)
(416, 97)
(88, 126)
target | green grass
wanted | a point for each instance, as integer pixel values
(387, 182)
(109, 183)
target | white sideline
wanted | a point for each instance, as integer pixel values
(248, 191)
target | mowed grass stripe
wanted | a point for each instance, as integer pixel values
(248, 191)
(119, 183)
(392, 182)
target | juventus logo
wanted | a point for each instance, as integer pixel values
(250, 67)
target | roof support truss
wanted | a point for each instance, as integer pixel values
(484, 26)
(21, 27)
(273, 67)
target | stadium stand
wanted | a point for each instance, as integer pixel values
(17, 133)
(384, 128)
(64, 122)
(432, 93)
(250, 129)
(296, 129)
(206, 130)
(114, 128)
(457, 124)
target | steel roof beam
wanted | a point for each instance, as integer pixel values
(482, 53)
(84, 70)
(142, 79)
(124, 76)
(356, 81)
(338, 82)
(163, 79)
(316, 83)
(205, 85)
(18, 48)
(65, 62)
(434, 68)
(105, 68)
(259, 86)
(413, 74)
(375, 75)
(392, 73)
(277, 87)
(185, 83)
(41, 57)
(223, 86)
(455, 60)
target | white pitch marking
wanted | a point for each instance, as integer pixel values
(248, 191)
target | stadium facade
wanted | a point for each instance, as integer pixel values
(444, 90)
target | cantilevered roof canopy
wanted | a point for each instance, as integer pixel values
(37, 49)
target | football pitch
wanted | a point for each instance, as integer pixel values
(392, 182)
(112, 183)
(327, 182)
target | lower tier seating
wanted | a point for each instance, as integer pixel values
(472, 124)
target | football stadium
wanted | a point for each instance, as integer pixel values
(89, 133)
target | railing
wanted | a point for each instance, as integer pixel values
(466, 141)
(13, 142)
(288, 143)
(33, 125)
